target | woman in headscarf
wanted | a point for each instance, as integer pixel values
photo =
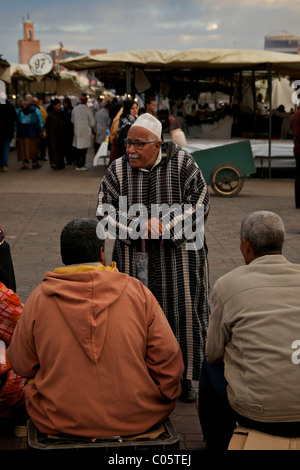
(114, 113)
(128, 117)
(69, 131)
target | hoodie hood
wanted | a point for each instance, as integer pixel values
(83, 295)
(28, 109)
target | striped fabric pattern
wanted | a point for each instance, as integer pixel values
(177, 277)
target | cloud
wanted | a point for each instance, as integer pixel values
(211, 27)
(76, 28)
(256, 4)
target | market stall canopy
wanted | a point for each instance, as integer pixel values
(65, 83)
(21, 71)
(285, 64)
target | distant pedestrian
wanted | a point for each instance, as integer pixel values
(295, 127)
(151, 106)
(102, 121)
(55, 128)
(8, 118)
(127, 118)
(69, 131)
(84, 122)
(43, 141)
(29, 131)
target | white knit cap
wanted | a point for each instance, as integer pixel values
(149, 122)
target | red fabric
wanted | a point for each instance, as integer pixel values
(10, 310)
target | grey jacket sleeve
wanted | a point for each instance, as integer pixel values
(218, 333)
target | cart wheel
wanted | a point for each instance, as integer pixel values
(227, 180)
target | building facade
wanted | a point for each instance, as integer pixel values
(282, 42)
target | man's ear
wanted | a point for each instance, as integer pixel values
(102, 257)
(158, 144)
(246, 250)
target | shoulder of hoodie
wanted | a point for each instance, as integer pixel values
(35, 295)
(32, 108)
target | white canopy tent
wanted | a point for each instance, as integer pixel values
(66, 83)
(16, 71)
(285, 64)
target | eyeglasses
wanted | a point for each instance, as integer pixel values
(138, 144)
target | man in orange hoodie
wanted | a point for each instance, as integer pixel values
(103, 357)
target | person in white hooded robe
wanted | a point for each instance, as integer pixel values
(84, 122)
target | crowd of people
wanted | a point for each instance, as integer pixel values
(64, 132)
(142, 329)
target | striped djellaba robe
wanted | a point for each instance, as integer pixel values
(178, 277)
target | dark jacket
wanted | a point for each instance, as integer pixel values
(7, 274)
(8, 117)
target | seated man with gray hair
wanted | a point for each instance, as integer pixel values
(251, 372)
(103, 358)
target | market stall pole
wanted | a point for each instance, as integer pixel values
(128, 79)
(270, 116)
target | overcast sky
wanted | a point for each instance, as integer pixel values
(126, 25)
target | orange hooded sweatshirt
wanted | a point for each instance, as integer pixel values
(104, 359)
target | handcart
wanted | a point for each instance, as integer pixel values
(226, 167)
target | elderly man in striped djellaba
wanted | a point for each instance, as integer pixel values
(154, 201)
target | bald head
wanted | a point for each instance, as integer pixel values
(29, 98)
